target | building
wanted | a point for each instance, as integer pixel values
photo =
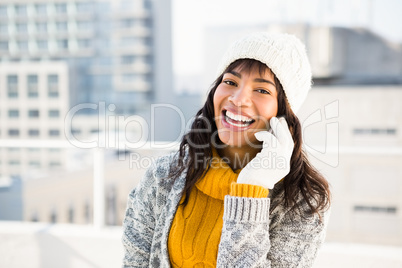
(354, 138)
(115, 53)
(109, 46)
(118, 52)
(33, 102)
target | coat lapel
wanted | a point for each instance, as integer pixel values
(162, 230)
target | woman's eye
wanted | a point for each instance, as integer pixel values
(263, 91)
(230, 83)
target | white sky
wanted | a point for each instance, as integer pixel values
(190, 17)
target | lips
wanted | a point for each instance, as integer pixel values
(236, 121)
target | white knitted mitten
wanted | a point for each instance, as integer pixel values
(273, 162)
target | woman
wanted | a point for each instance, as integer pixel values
(240, 192)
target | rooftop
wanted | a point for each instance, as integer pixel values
(43, 245)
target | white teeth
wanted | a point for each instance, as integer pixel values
(237, 125)
(238, 117)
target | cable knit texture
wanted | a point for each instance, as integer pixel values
(248, 190)
(256, 232)
(196, 230)
(284, 54)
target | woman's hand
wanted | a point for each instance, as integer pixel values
(273, 162)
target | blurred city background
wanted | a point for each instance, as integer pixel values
(91, 91)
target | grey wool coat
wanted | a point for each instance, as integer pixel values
(256, 232)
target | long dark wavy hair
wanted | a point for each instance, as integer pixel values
(195, 151)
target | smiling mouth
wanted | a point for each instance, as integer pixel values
(237, 120)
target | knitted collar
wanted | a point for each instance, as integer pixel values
(216, 182)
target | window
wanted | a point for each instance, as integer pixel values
(35, 164)
(374, 131)
(61, 8)
(21, 10)
(13, 132)
(75, 131)
(71, 215)
(130, 41)
(4, 46)
(32, 81)
(42, 45)
(22, 46)
(33, 132)
(148, 4)
(3, 28)
(83, 43)
(84, 25)
(54, 113)
(33, 113)
(126, 5)
(34, 217)
(41, 27)
(61, 26)
(62, 44)
(54, 164)
(53, 85)
(14, 162)
(54, 133)
(111, 205)
(3, 10)
(12, 86)
(87, 212)
(127, 59)
(103, 61)
(22, 27)
(132, 78)
(126, 23)
(375, 209)
(83, 7)
(13, 113)
(41, 9)
(127, 78)
(53, 216)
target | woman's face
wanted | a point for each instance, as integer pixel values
(244, 102)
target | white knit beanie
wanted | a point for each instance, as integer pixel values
(284, 54)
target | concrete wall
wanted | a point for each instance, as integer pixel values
(354, 138)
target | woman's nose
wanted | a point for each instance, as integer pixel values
(241, 97)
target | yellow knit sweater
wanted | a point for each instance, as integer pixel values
(195, 233)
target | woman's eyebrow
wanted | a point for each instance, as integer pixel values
(235, 73)
(261, 80)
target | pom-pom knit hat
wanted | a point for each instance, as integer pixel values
(284, 54)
